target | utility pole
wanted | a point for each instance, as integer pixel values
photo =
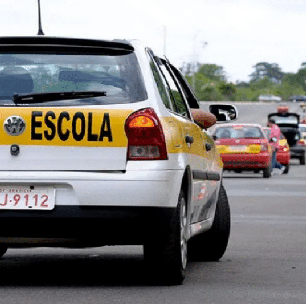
(194, 65)
(165, 41)
(40, 31)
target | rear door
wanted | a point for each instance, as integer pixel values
(200, 159)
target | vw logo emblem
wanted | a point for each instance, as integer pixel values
(14, 125)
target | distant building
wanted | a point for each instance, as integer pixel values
(298, 98)
(269, 98)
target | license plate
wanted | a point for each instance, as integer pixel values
(241, 148)
(24, 198)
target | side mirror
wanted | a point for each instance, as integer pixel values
(224, 112)
(204, 119)
(273, 139)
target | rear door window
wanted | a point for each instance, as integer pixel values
(175, 92)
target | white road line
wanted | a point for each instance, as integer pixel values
(247, 193)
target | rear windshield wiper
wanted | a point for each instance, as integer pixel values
(52, 96)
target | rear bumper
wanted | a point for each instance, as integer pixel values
(246, 161)
(151, 188)
(283, 157)
(297, 152)
(83, 226)
(93, 209)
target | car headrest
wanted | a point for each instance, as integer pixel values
(15, 80)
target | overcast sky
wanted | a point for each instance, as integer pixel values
(235, 34)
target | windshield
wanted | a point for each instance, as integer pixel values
(238, 132)
(118, 76)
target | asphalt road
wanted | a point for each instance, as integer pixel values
(265, 261)
(254, 112)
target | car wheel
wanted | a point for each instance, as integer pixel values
(211, 245)
(267, 172)
(302, 159)
(286, 169)
(3, 250)
(167, 257)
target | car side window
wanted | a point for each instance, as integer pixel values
(175, 92)
(160, 82)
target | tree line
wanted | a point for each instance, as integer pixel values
(210, 82)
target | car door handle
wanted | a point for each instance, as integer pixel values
(188, 139)
(208, 147)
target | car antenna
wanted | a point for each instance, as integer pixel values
(40, 31)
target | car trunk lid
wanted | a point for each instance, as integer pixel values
(58, 138)
(288, 124)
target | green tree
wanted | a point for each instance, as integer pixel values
(289, 88)
(228, 90)
(300, 77)
(212, 71)
(271, 71)
(210, 92)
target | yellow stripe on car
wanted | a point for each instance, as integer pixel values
(67, 127)
(243, 149)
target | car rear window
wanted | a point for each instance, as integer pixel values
(267, 132)
(118, 76)
(238, 132)
(290, 119)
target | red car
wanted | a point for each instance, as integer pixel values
(244, 147)
(283, 152)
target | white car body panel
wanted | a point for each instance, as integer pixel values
(86, 176)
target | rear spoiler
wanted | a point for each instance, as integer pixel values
(58, 45)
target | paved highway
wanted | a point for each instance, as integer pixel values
(265, 261)
(254, 112)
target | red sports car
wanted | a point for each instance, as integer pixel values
(244, 147)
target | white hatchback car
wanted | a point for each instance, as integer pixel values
(103, 143)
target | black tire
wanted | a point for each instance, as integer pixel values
(211, 245)
(267, 172)
(3, 250)
(167, 256)
(302, 159)
(286, 169)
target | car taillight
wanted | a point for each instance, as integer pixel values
(264, 147)
(301, 142)
(284, 148)
(146, 140)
